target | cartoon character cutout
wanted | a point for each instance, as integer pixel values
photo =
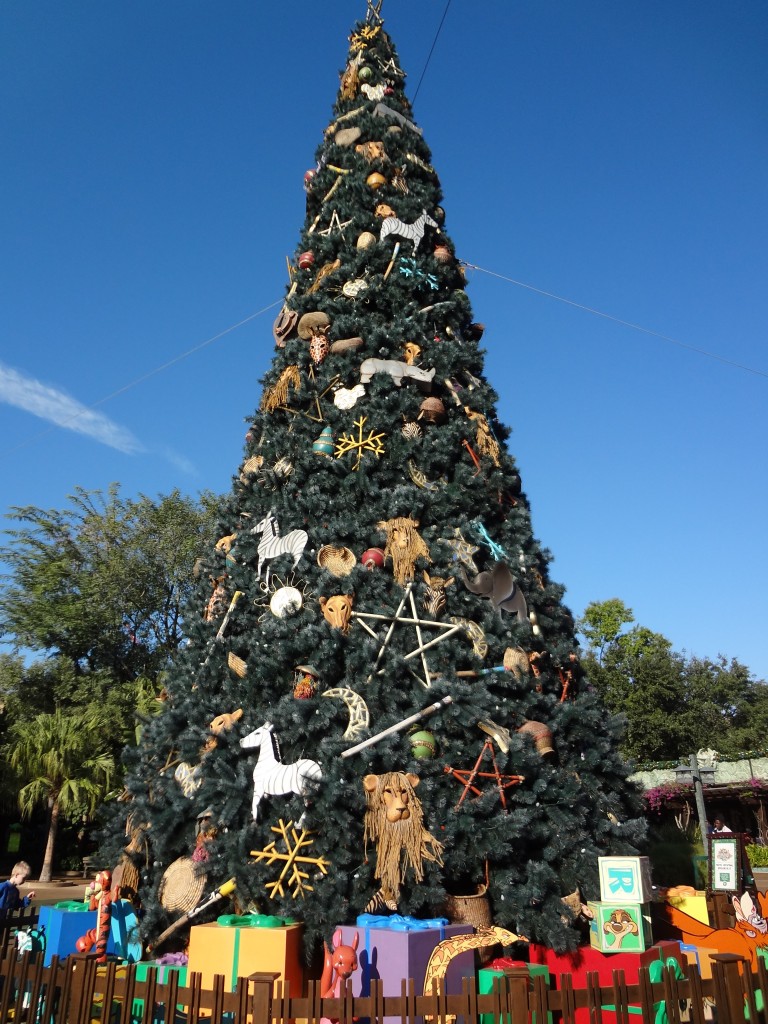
(749, 933)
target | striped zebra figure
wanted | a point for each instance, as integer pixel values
(272, 544)
(410, 232)
(273, 778)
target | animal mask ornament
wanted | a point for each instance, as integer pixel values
(395, 820)
(404, 546)
(337, 610)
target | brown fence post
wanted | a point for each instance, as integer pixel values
(261, 1003)
(518, 980)
(729, 993)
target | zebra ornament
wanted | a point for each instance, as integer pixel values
(271, 777)
(272, 545)
(410, 232)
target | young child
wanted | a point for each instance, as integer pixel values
(9, 891)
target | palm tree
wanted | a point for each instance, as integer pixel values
(59, 762)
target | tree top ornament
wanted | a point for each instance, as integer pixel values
(373, 14)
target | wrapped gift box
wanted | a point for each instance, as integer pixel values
(486, 977)
(163, 971)
(394, 948)
(625, 880)
(624, 928)
(63, 925)
(692, 905)
(237, 950)
(582, 960)
(124, 939)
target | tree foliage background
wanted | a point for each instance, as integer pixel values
(673, 703)
(95, 592)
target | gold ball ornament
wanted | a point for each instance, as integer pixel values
(366, 240)
(375, 180)
(442, 254)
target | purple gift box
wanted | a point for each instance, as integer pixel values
(401, 950)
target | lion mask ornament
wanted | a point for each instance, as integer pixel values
(395, 820)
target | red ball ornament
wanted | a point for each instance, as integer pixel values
(309, 178)
(306, 259)
(372, 559)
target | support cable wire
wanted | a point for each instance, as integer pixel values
(144, 377)
(431, 51)
(616, 319)
(470, 266)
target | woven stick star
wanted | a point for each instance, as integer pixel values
(349, 443)
(294, 842)
(335, 224)
(469, 778)
(399, 619)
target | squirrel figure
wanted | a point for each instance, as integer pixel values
(339, 964)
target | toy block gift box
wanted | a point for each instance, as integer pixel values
(625, 879)
(62, 925)
(237, 946)
(624, 928)
(396, 948)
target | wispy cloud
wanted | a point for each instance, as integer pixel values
(55, 406)
(181, 462)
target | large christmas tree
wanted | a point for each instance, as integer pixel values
(377, 560)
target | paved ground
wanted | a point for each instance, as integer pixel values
(61, 888)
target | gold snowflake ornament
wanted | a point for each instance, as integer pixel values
(349, 443)
(293, 860)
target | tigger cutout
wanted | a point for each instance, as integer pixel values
(749, 934)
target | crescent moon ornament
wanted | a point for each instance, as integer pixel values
(359, 719)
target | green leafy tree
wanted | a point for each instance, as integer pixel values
(60, 764)
(602, 624)
(101, 583)
(672, 704)
(418, 470)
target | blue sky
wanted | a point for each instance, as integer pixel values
(613, 154)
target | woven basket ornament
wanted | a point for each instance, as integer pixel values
(182, 887)
(338, 561)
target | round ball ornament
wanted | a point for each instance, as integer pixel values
(442, 254)
(365, 73)
(285, 602)
(375, 180)
(432, 410)
(309, 178)
(366, 240)
(423, 744)
(306, 259)
(324, 443)
(283, 468)
(372, 558)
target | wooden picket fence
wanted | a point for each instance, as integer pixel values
(77, 990)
